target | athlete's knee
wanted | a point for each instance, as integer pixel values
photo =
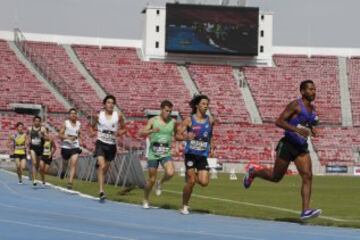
(204, 183)
(170, 173)
(307, 176)
(277, 177)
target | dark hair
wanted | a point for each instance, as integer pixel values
(109, 97)
(304, 83)
(72, 109)
(37, 117)
(196, 100)
(166, 103)
(19, 124)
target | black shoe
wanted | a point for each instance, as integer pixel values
(34, 184)
(69, 186)
(102, 196)
(62, 175)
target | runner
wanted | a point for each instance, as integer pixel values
(298, 121)
(48, 153)
(196, 130)
(18, 148)
(109, 125)
(161, 130)
(36, 141)
(70, 147)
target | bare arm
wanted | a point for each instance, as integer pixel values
(93, 128)
(213, 122)
(148, 129)
(11, 144)
(54, 147)
(181, 133)
(290, 110)
(122, 126)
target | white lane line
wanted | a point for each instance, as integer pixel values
(256, 205)
(102, 235)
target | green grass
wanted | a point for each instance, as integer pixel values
(337, 196)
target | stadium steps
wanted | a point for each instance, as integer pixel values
(248, 98)
(346, 115)
(189, 83)
(37, 74)
(101, 93)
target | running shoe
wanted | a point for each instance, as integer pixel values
(145, 205)
(185, 210)
(158, 189)
(310, 213)
(249, 177)
(102, 196)
(69, 186)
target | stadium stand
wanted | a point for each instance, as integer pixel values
(272, 87)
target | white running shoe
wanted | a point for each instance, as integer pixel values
(185, 210)
(145, 205)
(158, 189)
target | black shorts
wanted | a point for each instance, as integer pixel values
(37, 149)
(67, 153)
(289, 151)
(19, 156)
(108, 151)
(196, 161)
(46, 159)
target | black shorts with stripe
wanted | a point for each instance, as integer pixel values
(289, 151)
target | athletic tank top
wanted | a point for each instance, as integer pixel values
(19, 143)
(304, 119)
(107, 128)
(72, 131)
(160, 142)
(36, 137)
(47, 148)
(200, 145)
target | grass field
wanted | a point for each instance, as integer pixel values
(337, 196)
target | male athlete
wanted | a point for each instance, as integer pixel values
(161, 130)
(109, 124)
(298, 120)
(196, 130)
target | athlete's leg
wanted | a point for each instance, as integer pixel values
(42, 170)
(150, 183)
(73, 164)
(169, 171)
(190, 183)
(276, 174)
(103, 166)
(18, 168)
(34, 164)
(203, 178)
(303, 165)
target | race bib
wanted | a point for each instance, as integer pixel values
(36, 141)
(107, 136)
(160, 149)
(198, 145)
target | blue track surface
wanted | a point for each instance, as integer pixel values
(47, 213)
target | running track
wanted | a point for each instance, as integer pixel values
(48, 213)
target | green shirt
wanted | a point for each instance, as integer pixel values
(160, 142)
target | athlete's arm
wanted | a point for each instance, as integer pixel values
(93, 124)
(181, 133)
(54, 147)
(122, 126)
(148, 129)
(28, 141)
(290, 110)
(213, 122)
(11, 144)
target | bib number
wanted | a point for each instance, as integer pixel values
(198, 145)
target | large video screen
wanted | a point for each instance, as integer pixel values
(211, 29)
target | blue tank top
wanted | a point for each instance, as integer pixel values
(303, 119)
(200, 145)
